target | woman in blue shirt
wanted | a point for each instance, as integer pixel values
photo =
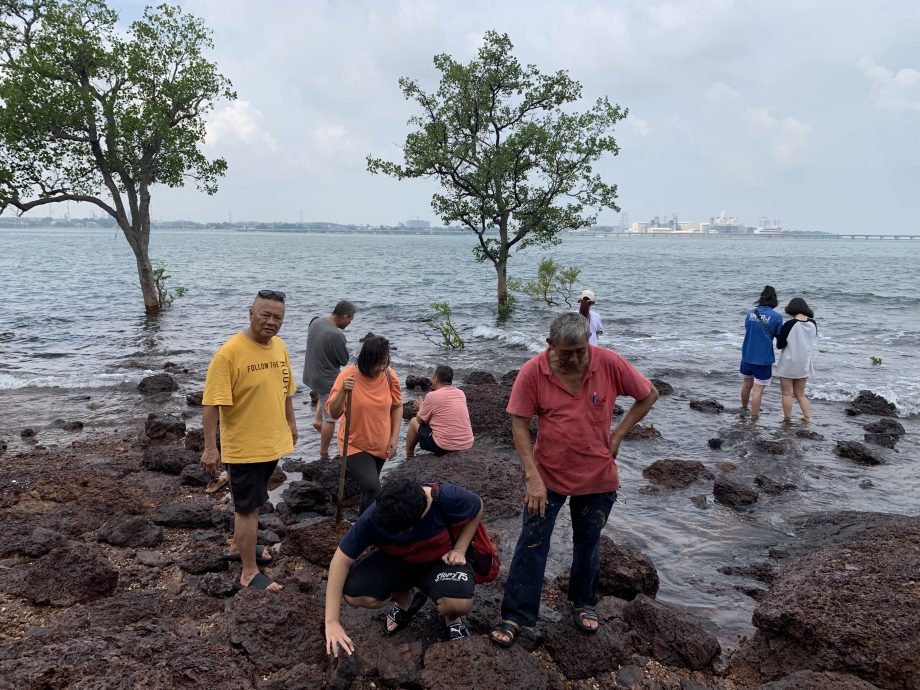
(761, 326)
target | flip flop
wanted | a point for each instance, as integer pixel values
(508, 628)
(260, 581)
(402, 617)
(260, 557)
(216, 484)
(584, 614)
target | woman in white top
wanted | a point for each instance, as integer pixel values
(585, 302)
(796, 342)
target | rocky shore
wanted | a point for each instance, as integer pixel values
(112, 576)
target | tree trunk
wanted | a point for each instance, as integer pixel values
(138, 236)
(501, 268)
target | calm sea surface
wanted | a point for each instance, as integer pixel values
(74, 343)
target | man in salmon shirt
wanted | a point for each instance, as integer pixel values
(571, 387)
(442, 423)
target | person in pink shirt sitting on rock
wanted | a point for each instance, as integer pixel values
(442, 423)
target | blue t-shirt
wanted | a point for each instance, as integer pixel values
(761, 325)
(425, 542)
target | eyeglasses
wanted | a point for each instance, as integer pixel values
(271, 294)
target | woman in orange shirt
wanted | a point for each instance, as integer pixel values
(376, 414)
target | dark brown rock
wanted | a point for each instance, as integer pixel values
(625, 571)
(474, 663)
(315, 540)
(277, 629)
(772, 446)
(130, 530)
(169, 459)
(868, 402)
(809, 434)
(509, 377)
(74, 425)
(204, 557)
(581, 656)
(164, 426)
(885, 426)
(643, 432)
(194, 398)
(811, 680)
(663, 387)
(671, 636)
(28, 432)
(299, 677)
(195, 513)
(715, 443)
(277, 478)
(418, 382)
(733, 493)
(486, 404)
(858, 453)
(158, 383)
(308, 496)
(709, 405)
(772, 486)
(676, 474)
(41, 541)
(478, 378)
(884, 440)
(194, 475)
(63, 577)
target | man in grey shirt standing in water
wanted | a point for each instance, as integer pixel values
(326, 354)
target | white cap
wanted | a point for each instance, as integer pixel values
(589, 294)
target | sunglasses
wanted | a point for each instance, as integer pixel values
(271, 294)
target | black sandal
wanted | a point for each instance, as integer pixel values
(508, 628)
(586, 613)
(457, 631)
(402, 617)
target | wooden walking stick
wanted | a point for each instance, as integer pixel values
(338, 505)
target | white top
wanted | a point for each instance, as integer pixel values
(594, 323)
(795, 360)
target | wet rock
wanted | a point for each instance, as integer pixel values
(164, 426)
(3, 447)
(295, 465)
(194, 475)
(671, 636)
(618, 410)
(315, 540)
(509, 377)
(709, 406)
(884, 440)
(28, 432)
(194, 398)
(308, 496)
(848, 605)
(772, 486)
(868, 402)
(771, 446)
(625, 571)
(809, 434)
(63, 577)
(715, 443)
(866, 484)
(663, 387)
(478, 378)
(195, 513)
(474, 663)
(63, 424)
(885, 426)
(152, 559)
(409, 409)
(418, 382)
(811, 680)
(130, 530)
(581, 656)
(486, 404)
(701, 501)
(168, 459)
(762, 571)
(858, 453)
(495, 476)
(277, 629)
(204, 557)
(643, 432)
(676, 474)
(733, 493)
(277, 478)
(158, 383)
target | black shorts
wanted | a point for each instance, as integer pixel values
(249, 484)
(378, 575)
(426, 440)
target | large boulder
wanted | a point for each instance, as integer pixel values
(414, 382)
(733, 493)
(314, 540)
(194, 513)
(675, 474)
(884, 432)
(858, 453)
(63, 577)
(709, 405)
(164, 426)
(671, 636)
(476, 378)
(130, 530)
(305, 496)
(495, 476)
(581, 656)
(486, 404)
(158, 383)
(169, 459)
(848, 605)
(868, 402)
(204, 557)
(626, 572)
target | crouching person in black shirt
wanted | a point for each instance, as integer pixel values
(416, 560)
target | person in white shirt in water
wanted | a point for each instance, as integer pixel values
(796, 343)
(585, 302)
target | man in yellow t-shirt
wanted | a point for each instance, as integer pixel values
(249, 388)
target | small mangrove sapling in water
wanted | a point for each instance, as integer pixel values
(875, 360)
(441, 323)
(553, 282)
(165, 296)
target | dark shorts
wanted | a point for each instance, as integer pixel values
(426, 440)
(378, 575)
(249, 484)
(761, 372)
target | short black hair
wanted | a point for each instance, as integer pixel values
(344, 308)
(799, 306)
(374, 351)
(400, 505)
(444, 374)
(767, 297)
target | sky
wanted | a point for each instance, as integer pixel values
(807, 112)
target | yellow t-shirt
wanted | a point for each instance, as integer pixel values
(251, 383)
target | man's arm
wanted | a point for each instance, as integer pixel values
(291, 419)
(340, 350)
(638, 410)
(335, 633)
(210, 416)
(535, 498)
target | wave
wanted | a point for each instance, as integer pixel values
(907, 402)
(509, 337)
(73, 380)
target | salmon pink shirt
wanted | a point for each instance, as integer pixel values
(572, 452)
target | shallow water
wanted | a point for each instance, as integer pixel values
(71, 327)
